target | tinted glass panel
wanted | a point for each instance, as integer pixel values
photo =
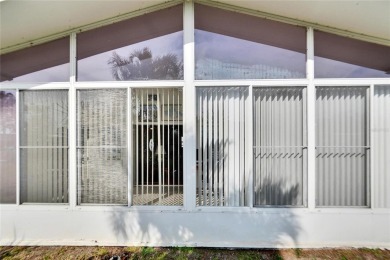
(47, 62)
(279, 153)
(44, 146)
(342, 57)
(143, 48)
(222, 162)
(341, 146)
(7, 147)
(381, 146)
(157, 146)
(231, 45)
(102, 146)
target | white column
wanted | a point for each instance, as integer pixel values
(72, 125)
(189, 124)
(311, 102)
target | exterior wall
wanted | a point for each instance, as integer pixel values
(204, 226)
(240, 228)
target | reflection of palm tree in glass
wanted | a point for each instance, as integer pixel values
(141, 65)
(7, 113)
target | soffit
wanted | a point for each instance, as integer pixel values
(24, 21)
(367, 17)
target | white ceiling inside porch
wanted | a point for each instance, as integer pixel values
(24, 21)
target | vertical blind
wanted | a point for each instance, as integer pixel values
(157, 152)
(381, 132)
(222, 146)
(342, 146)
(280, 153)
(44, 146)
(7, 147)
(102, 146)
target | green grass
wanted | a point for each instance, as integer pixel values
(184, 253)
(102, 251)
(147, 251)
(298, 252)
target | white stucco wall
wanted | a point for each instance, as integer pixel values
(263, 228)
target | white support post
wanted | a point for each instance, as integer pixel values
(189, 124)
(72, 125)
(311, 103)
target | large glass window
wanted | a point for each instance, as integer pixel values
(231, 126)
(280, 153)
(48, 62)
(158, 151)
(231, 45)
(342, 146)
(102, 146)
(222, 145)
(44, 146)
(7, 147)
(147, 47)
(342, 57)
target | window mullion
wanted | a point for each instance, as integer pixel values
(250, 149)
(130, 149)
(72, 125)
(369, 143)
(17, 149)
(311, 102)
(189, 126)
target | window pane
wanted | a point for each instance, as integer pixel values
(46, 62)
(381, 139)
(221, 146)
(148, 47)
(44, 146)
(7, 147)
(341, 152)
(102, 146)
(158, 151)
(342, 57)
(279, 153)
(230, 45)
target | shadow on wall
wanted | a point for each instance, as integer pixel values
(240, 228)
(223, 228)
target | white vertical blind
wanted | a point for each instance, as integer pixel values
(342, 146)
(158, 151)
(102, 146)
(7, 147)
(280, 153)
(381, 132)
(221, 146)
(44, 146)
